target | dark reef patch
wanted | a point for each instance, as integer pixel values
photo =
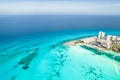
(27, 60)
(13, 78)
(98, 52)
(117, 58)
(57, 63)
(92, 73)
(25, 67)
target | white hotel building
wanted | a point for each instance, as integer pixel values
(101, 35)
(107, 41)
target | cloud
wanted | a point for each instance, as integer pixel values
(61, 7)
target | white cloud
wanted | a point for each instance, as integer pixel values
(59, 8)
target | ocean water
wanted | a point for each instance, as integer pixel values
(42, 56)
(23, 24)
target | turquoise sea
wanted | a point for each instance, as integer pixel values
(42, 56)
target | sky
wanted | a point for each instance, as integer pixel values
(89, 7)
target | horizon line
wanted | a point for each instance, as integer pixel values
(87, 8)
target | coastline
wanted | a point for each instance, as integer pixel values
(96, 49)
(114, 61)
(87, 42)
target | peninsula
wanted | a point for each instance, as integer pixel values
(101, 42)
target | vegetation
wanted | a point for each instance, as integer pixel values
(78, 41)
(116, 46)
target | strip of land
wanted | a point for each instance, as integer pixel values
(108, 46)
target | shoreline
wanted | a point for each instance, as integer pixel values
(98, 50)
(80, 43)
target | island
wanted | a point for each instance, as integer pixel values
(101, 42)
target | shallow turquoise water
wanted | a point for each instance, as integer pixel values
(43, 57)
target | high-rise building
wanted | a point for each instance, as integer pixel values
(108, 44)
(114, 38)
(109, 37)
(118, 40)
(101, 35)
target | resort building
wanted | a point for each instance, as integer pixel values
(114, 38)
(101, 35)
(109, 38)
(108, 42)
(118, 40)
(104, 41)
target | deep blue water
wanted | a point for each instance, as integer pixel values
(13, 25)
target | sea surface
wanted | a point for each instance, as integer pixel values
(42, 56)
